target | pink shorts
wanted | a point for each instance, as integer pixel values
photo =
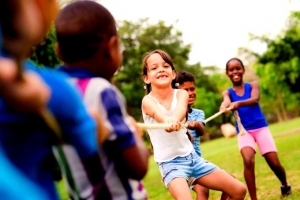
(263, 138)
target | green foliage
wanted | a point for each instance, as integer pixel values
(44, 54)
(141, 37)
(279, 70)
(224, 153)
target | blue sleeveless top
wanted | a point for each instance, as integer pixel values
(251, 116)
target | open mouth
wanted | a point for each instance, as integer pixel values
(161, 77)
(235, 77)
(191, 98)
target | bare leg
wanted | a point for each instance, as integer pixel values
(274, 163)
(179, 189)
(225, 196)
(248, 157)
(202, 192)
(222, 181)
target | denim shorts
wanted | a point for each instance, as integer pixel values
(185, 167)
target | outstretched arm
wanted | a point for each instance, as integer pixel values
(254, 99)
(124, 143)
(226, 101)
(197, 126)
(30, 94)
(151, 108)
(182, 105)
(255, 95)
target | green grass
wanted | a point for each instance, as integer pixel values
(224, 153)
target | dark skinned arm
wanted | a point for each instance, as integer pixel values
(197, 126)
(254, 99)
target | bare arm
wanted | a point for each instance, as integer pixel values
(254, 99)
(136, 157)
(30, 94)
(182, 105)
(151, 108)
(128, 150)
(197, 126)
(226, 101)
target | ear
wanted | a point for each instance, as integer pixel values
(174, 74)
(146, 80)
(57, 49)
(112, 46)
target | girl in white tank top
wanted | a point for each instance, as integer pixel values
(167, 146)
(173, 152)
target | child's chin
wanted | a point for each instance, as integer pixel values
(191, 103)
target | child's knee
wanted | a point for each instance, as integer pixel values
(249, 162)
(240, 191)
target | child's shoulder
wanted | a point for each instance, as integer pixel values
(180, 91)
(98, 84)
(253, 83)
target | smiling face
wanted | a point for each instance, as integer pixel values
(191, 89)
(159, 72)
(235, 71)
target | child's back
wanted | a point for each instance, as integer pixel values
(124, 156)
(25, 137)
(28, 141)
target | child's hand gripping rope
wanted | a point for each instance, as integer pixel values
(164, 126)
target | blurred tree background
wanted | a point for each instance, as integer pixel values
(277, 69)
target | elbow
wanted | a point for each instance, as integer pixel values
(139, 173)
(136, 167)
(256, 100)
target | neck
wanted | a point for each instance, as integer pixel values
(238, 84)
(162, 93)
(90, 66)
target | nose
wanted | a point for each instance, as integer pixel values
(161, 69)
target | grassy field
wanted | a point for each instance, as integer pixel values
(224, 153)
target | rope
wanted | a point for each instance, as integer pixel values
(164, 126)
(240, 125)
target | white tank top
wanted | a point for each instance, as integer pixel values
(167, 146)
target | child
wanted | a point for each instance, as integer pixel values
(196, 123)
(173, 151)
(30, 94)
(25, 137)
(244, 97)
(88, 45)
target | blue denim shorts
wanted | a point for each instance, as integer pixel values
(185, 167)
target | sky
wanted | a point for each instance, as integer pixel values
(214, 28)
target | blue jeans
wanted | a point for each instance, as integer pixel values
(185, 167)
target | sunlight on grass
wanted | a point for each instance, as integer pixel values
(224, 153)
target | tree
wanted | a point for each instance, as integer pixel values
(44, 54)
(279, 69)
(137, 39)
